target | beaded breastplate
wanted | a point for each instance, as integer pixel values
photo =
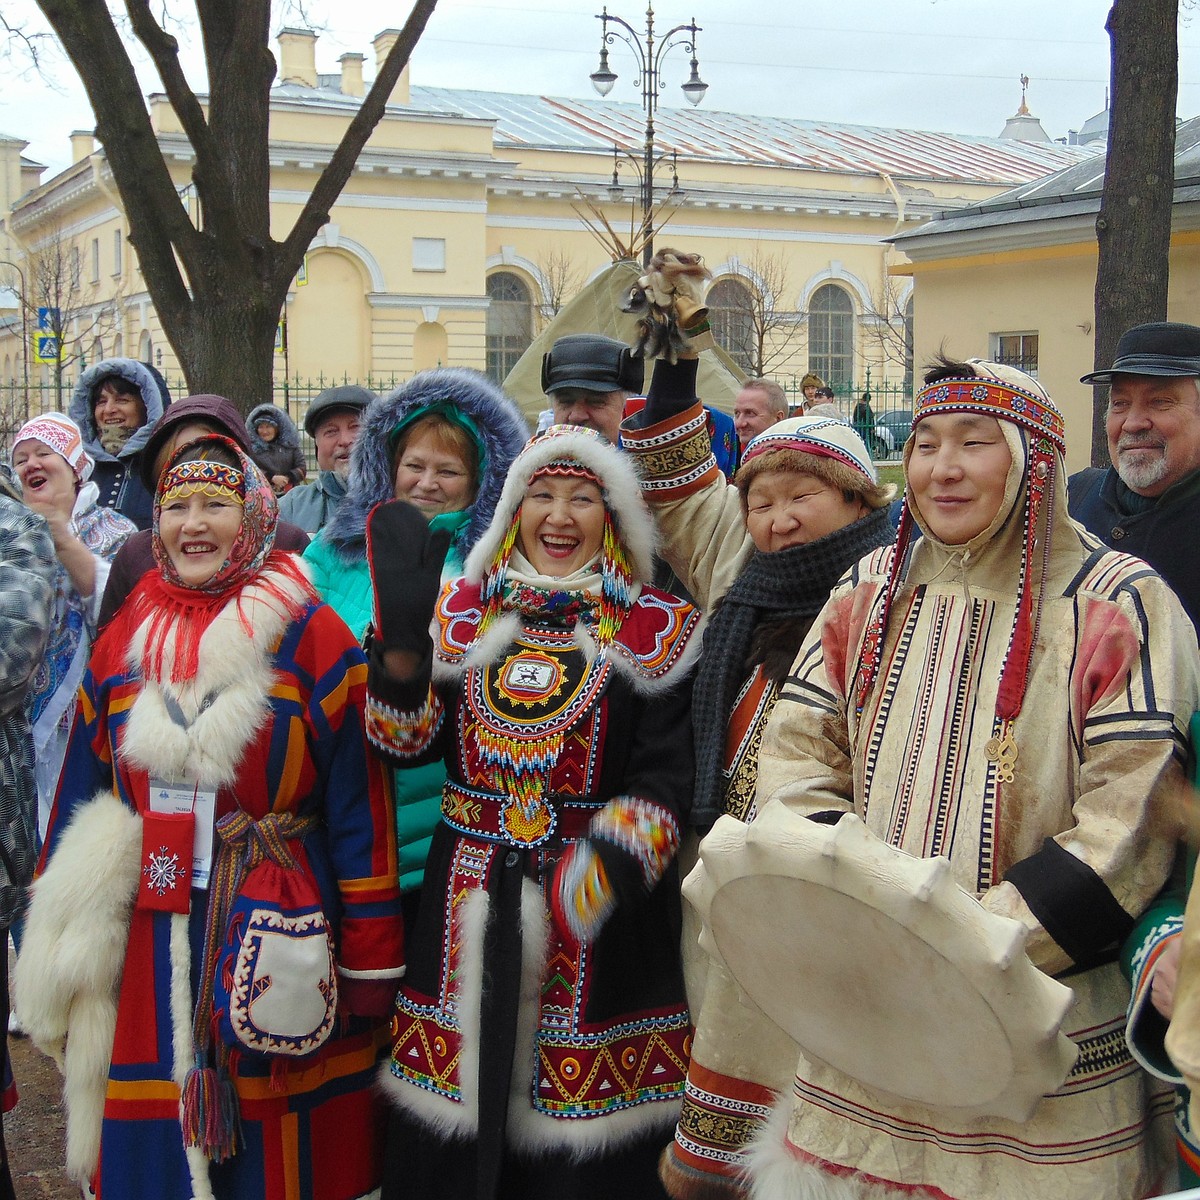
(524, 704)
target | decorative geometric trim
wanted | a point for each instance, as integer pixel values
(400, 733)
(1002, 401)
(674, 457)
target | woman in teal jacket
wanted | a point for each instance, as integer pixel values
(443, 441)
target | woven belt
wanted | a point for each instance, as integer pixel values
(489, 815)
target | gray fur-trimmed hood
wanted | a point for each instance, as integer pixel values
(155, 397)
(288, 436)
(500, 426)
(619, 479)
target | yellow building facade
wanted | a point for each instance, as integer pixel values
(1014, 278)
(464, 226)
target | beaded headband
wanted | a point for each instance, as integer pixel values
(205, 476)
(568, 468)
(992, 399)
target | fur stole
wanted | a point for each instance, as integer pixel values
(198, 729)
(71, 958)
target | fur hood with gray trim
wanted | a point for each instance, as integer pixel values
(144, 377)
(287, 436)
(497, 419)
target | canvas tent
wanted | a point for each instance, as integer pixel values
(597, 309)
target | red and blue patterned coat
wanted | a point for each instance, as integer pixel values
(274, 719)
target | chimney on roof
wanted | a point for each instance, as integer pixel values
(383, 43)
(83, 143)
(352, 74)
(298, 57)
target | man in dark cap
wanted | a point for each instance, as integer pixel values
(1148, 502)
(588, 377)
(332, 421)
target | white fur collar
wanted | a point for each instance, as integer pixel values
(198, 729)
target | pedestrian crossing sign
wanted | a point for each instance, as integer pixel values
(47, 349)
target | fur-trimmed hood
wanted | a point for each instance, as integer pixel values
(498, 421)
(144, 377)
(621, 486)
(287, 436)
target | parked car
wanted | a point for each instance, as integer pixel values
(891, 432)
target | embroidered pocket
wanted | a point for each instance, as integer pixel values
(276, 986)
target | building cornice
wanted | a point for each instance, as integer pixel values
(399, 300)
(1034, 229)
(314, 156)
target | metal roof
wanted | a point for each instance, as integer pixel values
(547, 122)
(1071, 191)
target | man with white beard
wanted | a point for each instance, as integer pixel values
(1148, 502)
(332, 422)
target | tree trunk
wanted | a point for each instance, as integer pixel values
(217, 287)
(1133, 228)
(228, 344)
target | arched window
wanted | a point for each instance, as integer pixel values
(731, 315)
(831, 335)
(97, 351)
(117, 346)
(509, 323)
(145, 347)
(908, 346)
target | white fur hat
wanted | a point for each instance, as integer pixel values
(619, 482)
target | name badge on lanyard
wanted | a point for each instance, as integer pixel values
(167, 796)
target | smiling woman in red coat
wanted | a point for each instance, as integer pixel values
(219, 744)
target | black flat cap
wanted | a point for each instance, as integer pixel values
(592, 362)
(1157, 348)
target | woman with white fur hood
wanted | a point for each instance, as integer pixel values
(215, 939)
(542, 1034)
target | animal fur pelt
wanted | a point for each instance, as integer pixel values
(71, 957)
(199, 728)
(668, 304)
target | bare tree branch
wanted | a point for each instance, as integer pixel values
(329, 186)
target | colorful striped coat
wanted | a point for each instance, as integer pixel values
(273, 720)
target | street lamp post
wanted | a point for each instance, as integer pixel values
(649, 53)
(4, 262)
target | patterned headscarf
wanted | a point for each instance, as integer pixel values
(180, 614)
(62, 435)
(186, 475)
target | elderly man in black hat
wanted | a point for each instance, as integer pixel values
(1148, 502)
(332, 421)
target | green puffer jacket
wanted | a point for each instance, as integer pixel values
(346, 588)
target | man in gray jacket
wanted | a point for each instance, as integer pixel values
(332, 421)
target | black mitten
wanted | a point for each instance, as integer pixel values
(405, 557)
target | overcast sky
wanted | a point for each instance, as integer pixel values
(949, 65)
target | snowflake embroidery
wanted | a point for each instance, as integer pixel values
(162, 871)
